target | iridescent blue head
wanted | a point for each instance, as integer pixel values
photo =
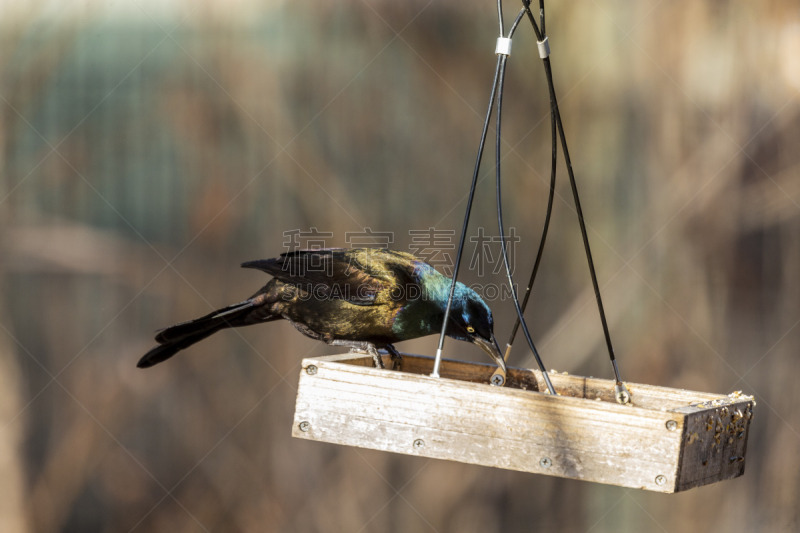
(471, 320)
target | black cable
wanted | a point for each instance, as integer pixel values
(517, 20)
(548, 213)
(500, 17)
(556, 124)
(496, 92)
(520, 318)
(541, 15)
(579, 212)
(466, 217)
(575, 196)
(526, 4)
(623, 396)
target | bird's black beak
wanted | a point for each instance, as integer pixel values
(490, 346)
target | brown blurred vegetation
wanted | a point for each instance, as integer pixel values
(145, 153)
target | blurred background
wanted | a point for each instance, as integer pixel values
(149, 147)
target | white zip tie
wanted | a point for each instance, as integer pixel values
(503, 46)
(544, 48)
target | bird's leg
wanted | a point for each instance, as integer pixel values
(361, 346)
(397, 359)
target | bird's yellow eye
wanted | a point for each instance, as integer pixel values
(470, 329)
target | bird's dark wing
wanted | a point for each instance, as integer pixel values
(326, 273)
(395, 268)
(361, 275)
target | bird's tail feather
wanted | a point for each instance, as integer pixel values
(229, 316)
(180, 336)
(162, 352)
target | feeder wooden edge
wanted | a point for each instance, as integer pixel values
(669, 422)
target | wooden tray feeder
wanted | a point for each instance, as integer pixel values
(669, 440)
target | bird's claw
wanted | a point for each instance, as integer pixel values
(397, 357)
(362, 347)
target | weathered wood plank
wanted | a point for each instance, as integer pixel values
(581, 434)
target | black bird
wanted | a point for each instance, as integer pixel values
(364, 298)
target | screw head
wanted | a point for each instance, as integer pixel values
(622, 394)
(419, 443)
(672, 425)
(311, 370)
(498, 380)
(304, 426)
(660, 480)
(545, 462)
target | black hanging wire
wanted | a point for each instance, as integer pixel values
(502, 59)
(548, 212)
(622, 393)
(623, 396)
(499, 73)
(461, 240)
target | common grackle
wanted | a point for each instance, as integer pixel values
(363, 298)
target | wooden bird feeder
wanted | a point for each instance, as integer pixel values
(668, 440)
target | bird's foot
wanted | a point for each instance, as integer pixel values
(361, 346)
(397, 358)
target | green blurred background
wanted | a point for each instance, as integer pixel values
(147, 148)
